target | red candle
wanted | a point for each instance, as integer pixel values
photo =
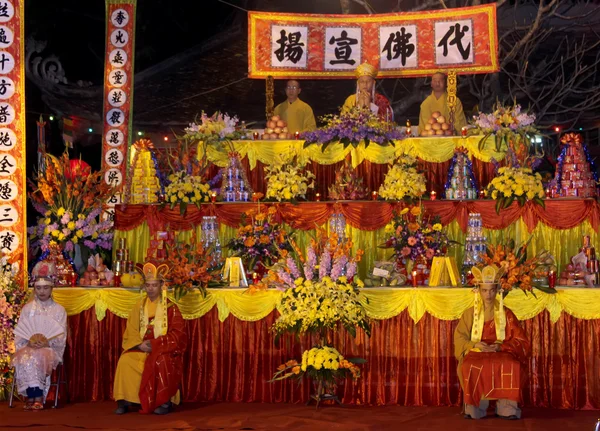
(374, 195)
(318, 197)
(255, 278)
(433, 195)
(254, 197)
(552, 279)
(297, 135)
(464, 132)
(481, 194)
(213, 197)
(255, 136)
(414, 278)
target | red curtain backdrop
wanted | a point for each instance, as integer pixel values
(408, 364)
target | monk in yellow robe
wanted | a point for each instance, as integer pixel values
(491, 348)
(366, 96)
(437, 101)
(297, 114)
(150, 368)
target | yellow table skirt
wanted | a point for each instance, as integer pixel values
(380, 303)
(430, 149)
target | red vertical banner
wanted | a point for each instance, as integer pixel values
(13, 195)
(118, 95)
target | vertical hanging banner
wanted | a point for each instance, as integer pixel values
(13, 195)
(404, 44)
(118, 95)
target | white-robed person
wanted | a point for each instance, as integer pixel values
(37, 356)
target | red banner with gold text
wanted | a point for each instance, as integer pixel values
(13, 195)
(398, 44)
(118, 95)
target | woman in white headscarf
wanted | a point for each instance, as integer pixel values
(37, 356)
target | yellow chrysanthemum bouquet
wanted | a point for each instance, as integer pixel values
(403, 181)
(287, 180)
(520, 184)
(324, 365)
(184, 189)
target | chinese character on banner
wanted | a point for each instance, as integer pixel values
(13, 197)
(398, 47)
(118, 88)
(454, 42)
(289, 46)
(342, 48)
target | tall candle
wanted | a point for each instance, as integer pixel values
(414, 278)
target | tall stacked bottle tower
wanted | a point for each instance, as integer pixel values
(575, 173)
(461, 183)
(210, 239)
(475, 246)
(235, 186)
(122, 263)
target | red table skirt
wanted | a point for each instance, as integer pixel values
(407, 364)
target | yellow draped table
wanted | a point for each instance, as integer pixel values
(380, 303)
(431, 149)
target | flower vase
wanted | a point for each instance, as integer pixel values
(324, 391)
(77, 258)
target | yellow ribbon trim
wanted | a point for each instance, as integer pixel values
(380, 303)
(432, 149)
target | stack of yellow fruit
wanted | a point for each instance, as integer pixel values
(145, 184)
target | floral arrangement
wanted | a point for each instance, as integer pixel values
(348, 185)
(70, 202)
(12, 298)
(510, 125)
(287, 179)
(515, 271)
(259, 238)
(324, 292)
(413, 237)
(191, 267)
(216, 128)
(184, 189)
(520, 184)
(321, 363)
(353, 127)
(403, 181)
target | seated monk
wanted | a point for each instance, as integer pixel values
(150, 368)
(366, 97)
(491, 348)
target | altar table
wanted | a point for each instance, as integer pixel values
(232, 353)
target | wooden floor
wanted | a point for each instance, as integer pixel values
(227, 416)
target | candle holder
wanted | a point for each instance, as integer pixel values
(318, 197)
(433, 195)
(374, 195)
(552, 279)
(414, 278)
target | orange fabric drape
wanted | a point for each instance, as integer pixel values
(407, 363)
(367, 215)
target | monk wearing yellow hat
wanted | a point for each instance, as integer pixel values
(150, 368)
(366, 97)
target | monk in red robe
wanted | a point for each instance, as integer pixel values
(150, 369)
(366, 97)
(491, 349)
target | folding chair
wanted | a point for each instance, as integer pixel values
(61, 379)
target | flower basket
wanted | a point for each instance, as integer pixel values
(403, 181)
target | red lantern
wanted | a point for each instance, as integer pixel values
(78, 169)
